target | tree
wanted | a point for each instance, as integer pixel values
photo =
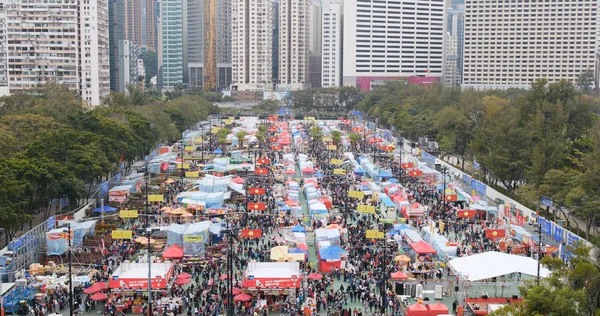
(150, 65)
(304, 99)
(269, 106)
(20, 130)
(354, 139)
(336, 137)
(316, 134)
(585, 81)
(454, 132)
(241, 136)
(350, 97)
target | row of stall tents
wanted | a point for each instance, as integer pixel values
(419, 309)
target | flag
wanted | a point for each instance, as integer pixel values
(258, 191)
(251, 233)
(465, 213)
(263, 161)
(257, 206)
(276, 147)
(495, 233)
(406, 165)
(261, 171)
(415, 173)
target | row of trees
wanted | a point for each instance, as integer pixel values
(544, 141)
(54, 147)
(328, 99)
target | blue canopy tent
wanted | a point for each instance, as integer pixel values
(218, 151)
(393, 180)
(331, 253)
(105, 209)
(286, 208)
(298, 229)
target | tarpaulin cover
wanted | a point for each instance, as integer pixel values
(298, 229)
(331, 253)
(56, 242)
(195, 237)
(175, 234)
(212, 183)
(104, 209)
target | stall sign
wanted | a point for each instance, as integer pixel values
(155, 198)
(327, 139)
(451, 244)
(128, 214)
(198, 140)
(261, 171)
(332, 147)
(551, 248)
(137, 283)
(251, 233)
(184, 165)
(122, 234)
(495, 233)
(257, 206)
(193, 238)
(336, 161)
(465, 213)
(271, 283)
(257, 191)
(374, 234)
(189, 148)
(415, 173)
(339, 171)
(192, 174)
(356, 194)
(407, 165)
(277, 147)
(263, 161)
(369, 209)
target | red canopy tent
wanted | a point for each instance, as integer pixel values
(238, 180)
(437, 309)
(398, 276)
(92, 289)
(184, 276)
(308, 170)
(422, 248)
(417, 310)
(99, 297)
(173, 252)
(327, 202)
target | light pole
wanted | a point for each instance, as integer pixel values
(444, 172)
(539, 251)
(149, 233)
(384, 275)
(231, 233)
(69, 235)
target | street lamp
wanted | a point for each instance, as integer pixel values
(69, 235)
(387, 243)
(231, 233)
(149, 233)
(444, 172)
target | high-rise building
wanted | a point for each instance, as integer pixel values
(393, 39)
(116, 35)
(3, 53)
(509, 44)
(456, 27)
(332, 44)
(316, 43)
(171, 43)
(451, 78)
(149, 24)
(71, 46)
(209, 43)
(129, 53)
(132, 21)
(252, 45)
(294, 44)
(94, 56)
(275, 41)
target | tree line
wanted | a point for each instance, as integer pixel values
(54, 147)
(544, 141)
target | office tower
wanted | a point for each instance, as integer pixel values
(149, 24)
(332, 44)
(275, 41)
(129, 53)
(209, 43)
(94, 56)
(393, 39)
(116, 35)
(252, 49)
(509, 44)
(294, 44)
(3, 53)
(316, 43)
(171, 43)
(456, 27)
(451, 64)
(132, 22)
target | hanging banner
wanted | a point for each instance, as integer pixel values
(339, 171)
(155, 198)
(356, 194)
(415, 173)
(257, 206)
(251, 233)
(277, 147)
(466, 213)
(193, 238)
(558, 233)
(263, 161)
(374, 234)
(258, 191)
(572, 239)
(128, 214)
(495, 233)
(451, 197)
(368, 209)
(407, 165)
(122, 234)
(336, 161)
(198, 140)
(261, 171)
(192, 174)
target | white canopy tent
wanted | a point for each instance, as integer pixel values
(492, 264)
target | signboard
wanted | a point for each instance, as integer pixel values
(558, 233)
(191, 174)
(189, 148)
(185, 165)
(128, 214)
(374, 234)
(104, 188)
(339, 171)
(572, 239)
(356, 194)
(327, 139)
(155, 198)
(480, 187)
(198, 140)
(51, 222)
(193, 238)
(332, 147)
(122, 234)
(336, 161)
(475, 165)
(251, 233)
(547, 202)
(271, 283)
(369, 209)
(495, 233)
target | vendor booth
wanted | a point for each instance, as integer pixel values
(134, 275)
(272, 277)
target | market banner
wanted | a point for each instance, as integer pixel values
(327, 139)
(128, 214)
(273, 139)
(193, 238)
(189, 148)
(257, 191)
(271, 283)
(356, 194)
(122, 234)
(198, 140)
(495, 233)
(184, 165)
(369, 209)
(339, 171)
(263, 161)
(155, 198)
(572, 239)
(558, 233)
(192, 174)
(466, 213)
(415, 173)
(257, 206)
(251, 233)
(451, 197)
(261, 171)
(374, 234)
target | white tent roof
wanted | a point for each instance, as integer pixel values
(139, 270)
(494, 264)
(273, 269)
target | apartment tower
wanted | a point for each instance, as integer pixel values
(171, 43)
(252, 45)
(331, 60)
(294, 44)
(509, 44)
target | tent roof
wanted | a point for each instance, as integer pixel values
(493, 264)
(417, 308)
(422, 247)
(331, 253)
(173, 252)
(438, 307)
(104, 209)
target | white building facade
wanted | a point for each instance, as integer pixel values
(3, 53)
(331, 60)
(509, 44)
(94, 57)
(294, 44)
(451, 77)
(393, 39)
(252, 45)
